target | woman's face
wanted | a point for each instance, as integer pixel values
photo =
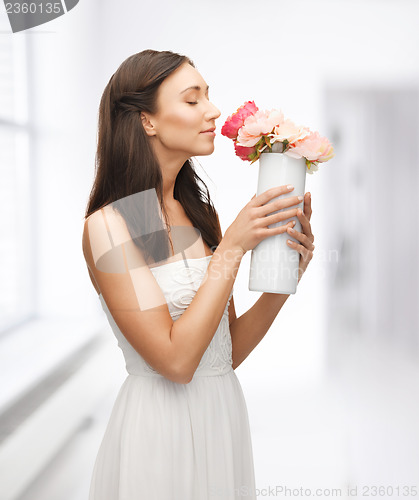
(183, 115)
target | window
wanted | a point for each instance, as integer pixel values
(17, 217)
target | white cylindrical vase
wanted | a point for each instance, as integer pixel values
(274, 264)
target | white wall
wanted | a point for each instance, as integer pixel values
(283, 61)
(65, 86)
(281, 54)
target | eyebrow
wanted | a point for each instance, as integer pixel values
(195, 87)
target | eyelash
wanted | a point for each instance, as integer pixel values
(195, 102)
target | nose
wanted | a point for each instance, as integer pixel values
(214, 112)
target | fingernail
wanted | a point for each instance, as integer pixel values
(290, 186)
(309, 195)
(291, 229)
(300, 197)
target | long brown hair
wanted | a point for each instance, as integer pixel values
(125, 161)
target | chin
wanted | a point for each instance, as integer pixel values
(205, 151)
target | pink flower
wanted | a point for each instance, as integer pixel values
(254, 131)
(313, 147)
(243, 152)
(261, 123)
(235, 121)
(288, 131)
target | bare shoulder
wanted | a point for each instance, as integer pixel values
(112, 257)
(103, 230)
(129, 289)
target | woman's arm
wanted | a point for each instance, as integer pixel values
(138, 305)
(250, 328)
(193, 331)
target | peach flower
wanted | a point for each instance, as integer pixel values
(313, 147)
(254, 131)
(261, 123)
(288, 131)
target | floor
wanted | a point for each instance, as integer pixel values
(355, 431)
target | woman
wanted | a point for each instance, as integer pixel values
(179, 427)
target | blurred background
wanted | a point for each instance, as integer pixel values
(333, 389)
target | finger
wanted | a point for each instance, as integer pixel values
(266, 196)
(306, 254)
(277, 205)
(302, 265)
(305, 223)
(307, 205)
(277, 211)
(303, 238)
(300, 248)
(285, 227)
(277, 217)
(271, 231)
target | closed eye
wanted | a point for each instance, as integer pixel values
(192, 103)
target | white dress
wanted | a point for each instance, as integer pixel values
(170, 441)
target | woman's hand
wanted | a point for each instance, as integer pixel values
(251, 225)
(306, 238)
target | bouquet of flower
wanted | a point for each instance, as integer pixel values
(254, 131)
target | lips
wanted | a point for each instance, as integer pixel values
(209, 130)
